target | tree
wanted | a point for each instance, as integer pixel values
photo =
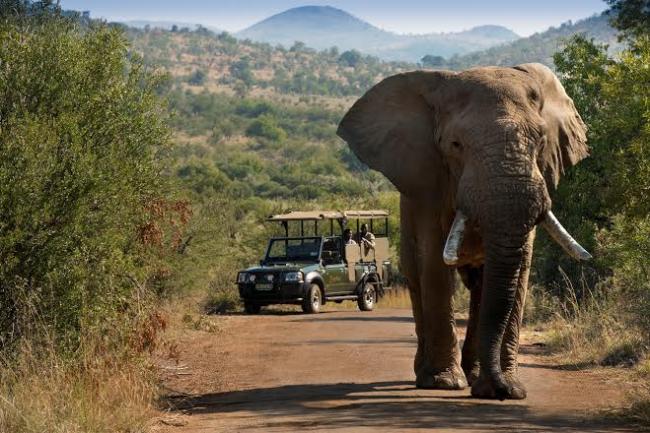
(298, 47)
(265, 126)
(631, 17)
(432, 61)
(242, 71)
(17, 8)
(604, 199)
(350, 58)
(197, 78)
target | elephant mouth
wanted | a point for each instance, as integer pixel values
(549, 222)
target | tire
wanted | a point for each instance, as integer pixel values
(251, 308)
(314, 299)
(367, 298)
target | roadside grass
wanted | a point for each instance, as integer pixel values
(599, 327)
(396, 297)
(596, 330)
(43, 391)
(639, 409)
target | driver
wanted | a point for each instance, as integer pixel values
(366, 238)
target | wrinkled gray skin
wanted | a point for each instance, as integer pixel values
(489, 142)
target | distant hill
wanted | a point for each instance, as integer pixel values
(539, 47)
(322, 27)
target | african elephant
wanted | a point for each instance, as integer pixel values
(473, 155)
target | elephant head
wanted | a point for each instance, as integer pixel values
(487, 144)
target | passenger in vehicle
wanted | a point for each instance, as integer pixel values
(347, 237)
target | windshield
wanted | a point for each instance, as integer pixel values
(300, 249)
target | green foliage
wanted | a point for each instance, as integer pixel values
(197, 78)
(272, 150)
(631, 17)
(432, 61)
(82, 137)
(23, 9)
(350, 58)
(605, 201)
(241, 70)
(266, 127)
(246, 65)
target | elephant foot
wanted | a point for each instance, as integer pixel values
(518, 388)
(507, 387)
(472, 372)
(446, 379)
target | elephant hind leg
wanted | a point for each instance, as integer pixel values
(472, 279)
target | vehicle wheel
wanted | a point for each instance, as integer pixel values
(366, 299)
(312, 302)
(251, 308)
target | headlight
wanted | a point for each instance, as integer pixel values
(293, 276)
(245, 277)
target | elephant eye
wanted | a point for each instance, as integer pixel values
(456, 145)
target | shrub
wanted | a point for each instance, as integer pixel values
(266, 127)
(82, 139)
(197, 78)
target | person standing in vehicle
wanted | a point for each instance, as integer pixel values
(366, 238)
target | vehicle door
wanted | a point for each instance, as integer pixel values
(352, 266)
(335, 275)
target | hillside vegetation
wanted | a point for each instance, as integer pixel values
(541, 46)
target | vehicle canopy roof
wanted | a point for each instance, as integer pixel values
(318, 215)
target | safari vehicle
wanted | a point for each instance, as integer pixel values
(312, 269)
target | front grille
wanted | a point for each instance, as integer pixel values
(264, 279)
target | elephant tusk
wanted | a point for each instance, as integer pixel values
(562, 237)
(454, 239)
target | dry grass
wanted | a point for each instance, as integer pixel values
(396, 297)
(43, 392)
(594, 330)
(599, 329)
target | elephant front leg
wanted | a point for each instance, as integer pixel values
(510, 343)
(437, 362)
(431, 285)
(473, 279)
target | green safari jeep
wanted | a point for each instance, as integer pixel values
(310, 270)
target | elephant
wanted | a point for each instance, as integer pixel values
(474, 156)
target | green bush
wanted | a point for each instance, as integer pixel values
(266, 127)
(82, 140)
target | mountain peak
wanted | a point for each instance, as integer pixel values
(306, 23)
(322, 27)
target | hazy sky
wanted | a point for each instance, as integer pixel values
(402, 16)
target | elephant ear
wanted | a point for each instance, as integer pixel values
(566, 143)
(392, 129)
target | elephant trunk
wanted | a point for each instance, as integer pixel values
(509, 211)
(501, 276)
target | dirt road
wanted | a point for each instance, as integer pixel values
(350, 371)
